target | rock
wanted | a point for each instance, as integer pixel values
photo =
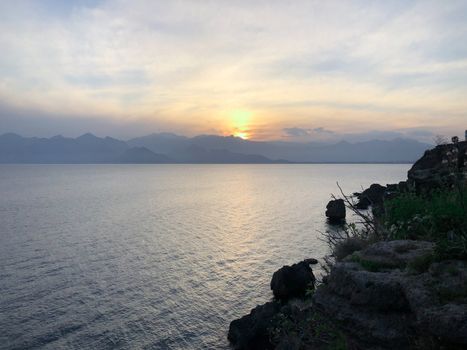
(264, 327)
(348, 246)
(335, 210)
(377, 290)
(392, 191)
(447, 322)
(392, 187)
(403, 186)
(251, 331)
(370, 306)
(363, 203)
(365, 327)
(438, 298)
(310, 261)
(382, 302)
(394, 254)
(433, 169)
(373, 195)
(293, 281)
(289, 342)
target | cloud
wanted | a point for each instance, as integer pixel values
(352, 66)
(302, 132)
(322, 134)
(296, 132)
(32, 123)
(322, 130)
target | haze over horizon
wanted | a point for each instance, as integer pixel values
(296, 136)
(233, 174)
(264, 70)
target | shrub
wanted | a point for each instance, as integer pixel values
(348, 246)
(439, 216)
(421, 263)
(346, 239)
(370, 265)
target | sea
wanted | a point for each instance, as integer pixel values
(155, 256)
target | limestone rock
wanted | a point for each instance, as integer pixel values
(382, 302)
(293, 281)
(335, 210)
(377, 290)
(371, 196)
(393, 254)
(251, 331)
(368, 328)
(434, 168)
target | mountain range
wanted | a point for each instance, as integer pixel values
(171, 148)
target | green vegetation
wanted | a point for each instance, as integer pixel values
(369, 265)
(439, 216)
(346, 247)
(306, 329)
(310, 291)
(449, 295)
(421, 264)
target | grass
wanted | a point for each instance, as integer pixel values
(449, 295)
(369, 265)
(421, 263)
(348, 246)
(308, 328)
(453, 271)
(440, 217)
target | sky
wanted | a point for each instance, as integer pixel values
(263, 70)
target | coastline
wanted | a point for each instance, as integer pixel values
(383, 293)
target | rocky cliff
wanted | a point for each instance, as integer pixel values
(392, 294)
(439, 166)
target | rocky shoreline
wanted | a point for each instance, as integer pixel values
(384, 297)
(387, 294)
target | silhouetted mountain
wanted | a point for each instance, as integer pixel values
(201, 149)
(196, 154)
(182, 148)
(141, 155)
(165, 143)
(166, 148)
(89, 148)
(58, 149)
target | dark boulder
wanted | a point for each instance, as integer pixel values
(392, 187)
(433, 170)
(293, 281)
(252, 331)
(403, 187)
(278, 326)
(335, 210)
(363, 203)
(373, 195)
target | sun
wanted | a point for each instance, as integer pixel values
(240, 122)
(242, 134)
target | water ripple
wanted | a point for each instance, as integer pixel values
(153, 257)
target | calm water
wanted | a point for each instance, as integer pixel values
(154, 256)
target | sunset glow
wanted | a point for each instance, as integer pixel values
(159, 159)
(302, 70)
(242, 135)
